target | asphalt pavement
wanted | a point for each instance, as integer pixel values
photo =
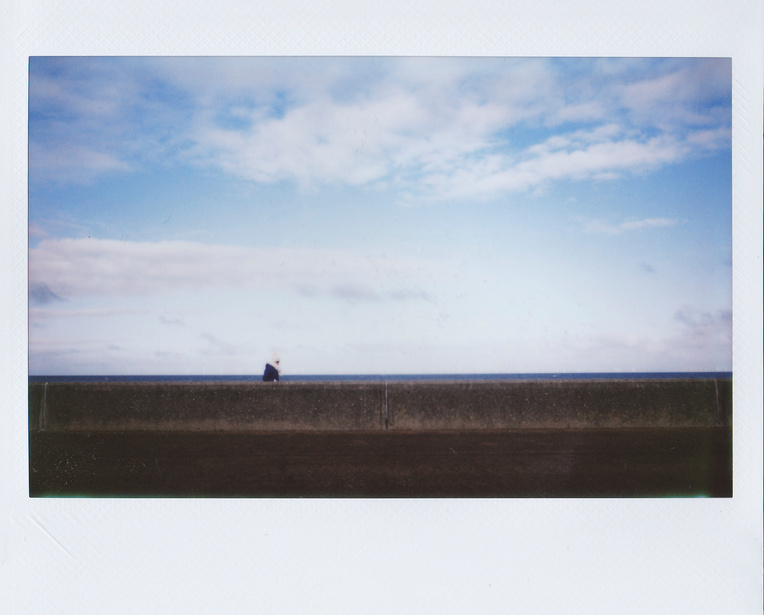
(447, 464)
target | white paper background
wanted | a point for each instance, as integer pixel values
(392, 556)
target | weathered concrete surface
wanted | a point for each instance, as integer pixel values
(394, 406)
(560, 404)
(186, 406)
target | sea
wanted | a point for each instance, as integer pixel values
(382, 377)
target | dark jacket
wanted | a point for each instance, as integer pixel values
(271, 373)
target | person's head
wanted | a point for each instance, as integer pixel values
(276, 361)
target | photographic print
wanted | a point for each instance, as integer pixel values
(318, 276)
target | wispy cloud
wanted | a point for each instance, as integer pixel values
(705, 335)
(37, 314)
(364, 293)
(600, 227)
(91, 117)
(702, 342)
(703, 323)
(36, 231)
(216, 346)
(171, 321)
(72, 162)
(688, 94)
(355, 292)
(556, 160)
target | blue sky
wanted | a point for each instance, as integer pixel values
(379, 215)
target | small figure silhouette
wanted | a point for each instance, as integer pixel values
(272, 370)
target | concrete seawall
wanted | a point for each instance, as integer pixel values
(375, 406)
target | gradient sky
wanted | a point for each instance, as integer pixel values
(379, 215)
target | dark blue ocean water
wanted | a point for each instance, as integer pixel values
(385, 377)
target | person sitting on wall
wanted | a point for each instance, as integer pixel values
(272, 370)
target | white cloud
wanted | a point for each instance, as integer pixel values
(450, 133)
(452, 144)
(431, 127)
(356, 142)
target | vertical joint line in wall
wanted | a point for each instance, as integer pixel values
(43, 410)
(718, 408)
(386, 411)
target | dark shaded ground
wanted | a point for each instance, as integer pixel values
(517, 463)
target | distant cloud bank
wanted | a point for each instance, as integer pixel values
(64, 268)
